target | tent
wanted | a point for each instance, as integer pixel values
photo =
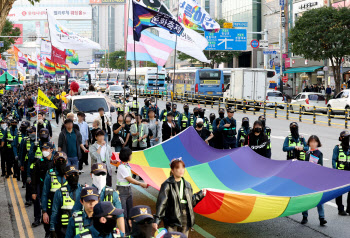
(11, 79)
(242, 186)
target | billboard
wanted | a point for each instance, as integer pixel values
(107, 1)
(19, 40)
(60, 13)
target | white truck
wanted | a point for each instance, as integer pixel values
(248, 84)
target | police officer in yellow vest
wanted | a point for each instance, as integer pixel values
(3, 161)
(64, 201)
(21, 135)
(144, 109)
(194, 116)
(176, 113)
(184, 118)
(7, 143)
(295, 144)
(82, 220)
(164, 113)
(99, 174)
(243, 132)
(229, 131)
(267, 131)
(341, 161)
(53, 181)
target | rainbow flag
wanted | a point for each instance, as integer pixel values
(72, 56)
(242, 186)
(49, 63)
(67, 69)
(42, 67)
(49, 72)
(59, 69)
(32, 64)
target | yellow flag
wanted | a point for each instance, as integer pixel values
(1, 91)
(44, 100)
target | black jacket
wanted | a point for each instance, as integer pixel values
(168, 203)
(257, 143)
(167, 131)
(39, 172)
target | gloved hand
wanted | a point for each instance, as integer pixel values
(53, 234)
(29, 180)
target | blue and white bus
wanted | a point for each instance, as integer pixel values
(200, 82)
(148, 80)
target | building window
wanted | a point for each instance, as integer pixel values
(111, 28)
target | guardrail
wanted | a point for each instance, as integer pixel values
(244, 105)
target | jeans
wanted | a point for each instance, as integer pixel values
(229, 142)
(125, 195)
(51, 110)
(153, 142)
(73, 161)
(320, 210)
(185, 221)
(118, 148)
(106, 137)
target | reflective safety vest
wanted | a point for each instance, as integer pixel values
(144, 109)
(343, 159)
(291, 154)
(242, 137)
(1, 135)
(55, 185)
(268, 133)
(142, 133)
(184, 121)
(10, 138)
(229, 131)
(36, 125)
(67, 205)
(87, 234)
(165, 115)
(20, 137)
(28, 145)
(177, 117)
(108, 195)
(38, 153)
(192, 119)
(210, 126)
(79, 223)
(127, 182)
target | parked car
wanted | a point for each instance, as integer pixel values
(114, 91)
(340, 102)
(101, 86)
(307, 101)
(273, 97)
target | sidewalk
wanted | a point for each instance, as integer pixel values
(5, 220)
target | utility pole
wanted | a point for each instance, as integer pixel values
(282, 25)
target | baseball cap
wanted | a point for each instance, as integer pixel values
(221, 110)
(199, 120)
(344, 134)
(103, 209)
(89, 193)
(60, 155)
(47, 145)
(174, 235)
(98, 168)
(31, 129)
(230, 109)
(71, 169)
(14, 121)
(174, 106)
(141, 212)
(44, 133)
(186, 105)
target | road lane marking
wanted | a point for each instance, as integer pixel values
(154, 199)
(278, 137)
(332, 204)
(15, 209)
(23, 209)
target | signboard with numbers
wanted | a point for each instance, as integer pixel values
(227, 39)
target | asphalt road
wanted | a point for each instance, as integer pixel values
(16, 219)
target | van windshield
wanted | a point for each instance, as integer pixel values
(89, 105)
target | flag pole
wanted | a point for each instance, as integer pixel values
(137, 124)
(126, 53)
(157, 88)
(48, 23)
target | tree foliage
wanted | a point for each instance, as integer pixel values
(116, 60)
(8, 30)
(216, 57)
(322, 34)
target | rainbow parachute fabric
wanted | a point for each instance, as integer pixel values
(242, 186)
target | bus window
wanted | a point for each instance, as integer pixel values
(209, 77)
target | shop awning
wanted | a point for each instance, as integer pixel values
(302, 70)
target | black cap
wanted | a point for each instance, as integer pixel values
(47, 145)
(174, 105)
(98, 168)
(201, 110)
(245, 119)
(293, 124)
(14, 121)
(221, 109)
(344, 134)
(31, 129)
(174, 234)
(230, 109)
(44, 133)
(195, 109)
(89, 193)
(103, 209)
(168, 104)
(60, 155)
(141, 212)
(186, 105)
(71, 169)
(25, 124)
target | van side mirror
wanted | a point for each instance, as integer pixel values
(112, 109)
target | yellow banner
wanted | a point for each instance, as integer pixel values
(1, 91)
(44, 100)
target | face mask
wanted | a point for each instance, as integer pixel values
(73, 181)
(142, 230)
(186, 110)
(345, 142)
(147, 104)
(168, 108)
(263, 122)
(196, 114)
(295, 132)
(199, 125)
(60, 167)
(105, 228)
(46, 153)
(245, 124)
(3, 126)
(222, 115)
(23, 130)
(32, 136)
(257, 130)
(212, 118)
(99, 181)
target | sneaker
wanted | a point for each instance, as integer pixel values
(342, 213)
(36, 223)
(7, 176)
(3, 175)
(47, 235)
(304, 221)
(14, 176)
(322, 221)
(28, 203)
(81, 171)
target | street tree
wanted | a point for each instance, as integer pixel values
(215, 57)
(5, 7)
(323, 34)
(9, 30)
(116, 60)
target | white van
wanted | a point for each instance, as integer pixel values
(89, 104)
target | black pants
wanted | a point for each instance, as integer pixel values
(229, 142)
(185, 222)
(339, 202)
(3, 164)
(16, 169)
(57, 116)
(109, 180)
(47, 226)
(37, 204)
(28, 185)
(125, 195)
(84, 158)
(268, 153)
(9, 158)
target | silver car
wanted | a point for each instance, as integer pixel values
(307, 101)
(114, 91)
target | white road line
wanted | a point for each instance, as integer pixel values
(332, 204)
(278, 137)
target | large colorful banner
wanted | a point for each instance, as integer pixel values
(64, 38)
(58, 56)
(193, 16)
(45, 49)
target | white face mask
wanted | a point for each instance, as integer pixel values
(99, 182)
(46, 153)
(3, 126)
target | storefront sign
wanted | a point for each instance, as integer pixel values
(287, 63)
(60, 13)
(307, 5)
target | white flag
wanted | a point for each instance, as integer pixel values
(190, 43)
(63, 38)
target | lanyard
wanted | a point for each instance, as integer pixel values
(182, 192)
